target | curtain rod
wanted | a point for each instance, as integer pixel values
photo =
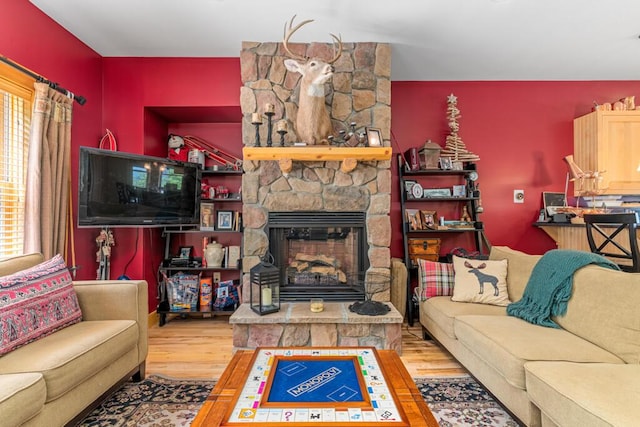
(80, 99)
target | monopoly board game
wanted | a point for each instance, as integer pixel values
(306, 385)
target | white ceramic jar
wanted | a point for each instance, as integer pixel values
(214, 253)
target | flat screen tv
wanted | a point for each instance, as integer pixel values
(124, 189)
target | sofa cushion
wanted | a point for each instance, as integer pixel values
(36, 302)
(443, 311)
(519, 268)
(480, 281)
(604, 310)
(69, 356)
(21, 397)
(434, 279)
(506, 343)
(585, 394)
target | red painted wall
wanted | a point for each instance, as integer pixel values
(520, 130)
(35, 41)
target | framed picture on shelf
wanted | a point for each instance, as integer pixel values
(413, 218)
(224, 220)
(429, 220)
(374, 137)
(185, 252)
(459, 191)
(436, 192)
(408, 184)
(207, 217)
(446, 163)
(457, 165)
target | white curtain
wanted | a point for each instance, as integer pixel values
(48, 173)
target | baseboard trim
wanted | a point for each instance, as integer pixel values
(153, 318)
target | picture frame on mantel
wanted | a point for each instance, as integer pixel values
(374, 137)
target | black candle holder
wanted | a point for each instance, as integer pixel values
(269, 115)
(257, 142)
(282, 133)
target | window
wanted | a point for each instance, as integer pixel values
(16, 95)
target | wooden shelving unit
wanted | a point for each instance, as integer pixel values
(471, 200)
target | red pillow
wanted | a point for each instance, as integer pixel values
(435, 279)
(36, 302)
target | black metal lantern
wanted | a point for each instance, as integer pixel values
(264, 292)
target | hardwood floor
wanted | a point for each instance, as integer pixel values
(201, 348)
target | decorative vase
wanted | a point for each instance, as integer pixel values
(214, 253)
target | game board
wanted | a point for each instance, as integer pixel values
(335, 385)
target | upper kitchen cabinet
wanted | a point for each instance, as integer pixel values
(609, 142)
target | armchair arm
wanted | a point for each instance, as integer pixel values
(116, 300)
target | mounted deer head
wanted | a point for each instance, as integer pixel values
(312, 123)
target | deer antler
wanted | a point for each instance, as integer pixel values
(288, 33)
(337, 52)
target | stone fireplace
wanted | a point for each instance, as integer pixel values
(326, 225)
(359, 93)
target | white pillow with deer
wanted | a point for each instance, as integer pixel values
(480, 281)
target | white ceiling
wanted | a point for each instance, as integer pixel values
(430, 39)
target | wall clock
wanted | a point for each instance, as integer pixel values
(473, 176)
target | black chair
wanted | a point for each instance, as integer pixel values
(610, 226)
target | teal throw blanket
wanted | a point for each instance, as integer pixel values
(549, 287)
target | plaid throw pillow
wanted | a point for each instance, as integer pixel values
(435, 279)
(36, 302)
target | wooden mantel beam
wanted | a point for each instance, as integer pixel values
(318, 154)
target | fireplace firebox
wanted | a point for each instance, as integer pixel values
(319, 254)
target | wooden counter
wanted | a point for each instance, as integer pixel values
(574, 236)
(566, 235)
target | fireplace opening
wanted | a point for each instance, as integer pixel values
(319, 254)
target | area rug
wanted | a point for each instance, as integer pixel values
(155, 401)
(161, 401)
(462, 401)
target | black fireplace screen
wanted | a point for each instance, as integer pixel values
(320, 254)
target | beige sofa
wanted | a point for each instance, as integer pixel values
(51, 381)
(585, 374)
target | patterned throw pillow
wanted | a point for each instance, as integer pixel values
(36, 302)
(480, 281)
(435, 279)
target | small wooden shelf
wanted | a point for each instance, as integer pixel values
(285, 155)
